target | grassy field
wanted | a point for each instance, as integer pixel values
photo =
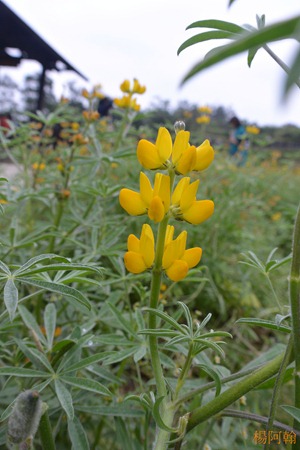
(72, 316)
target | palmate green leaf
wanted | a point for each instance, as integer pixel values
(59, 289)
(120, 410)
(121, 320)
(188, 316)
(65, 398)
(206, 36)
(73, 349)
(23, 372)
(204, 344)
(50, 323)
(293, 411)
(159, 332)
(31, 323)
(37, 260)
(86, 384)
(118, 356)
(214, 334)
(218, 25)
(168, 319)
(10, 294)
(278, 31)
(140, 353)
(68, 266)
(77, 435)
(85, 362)
(264, 323)
(4, 268)
(113, 340)
(34, 355)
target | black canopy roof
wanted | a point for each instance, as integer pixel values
(15, 34)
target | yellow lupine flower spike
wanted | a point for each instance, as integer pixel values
(176, 259)
(186, 207)
(182, 156)
(153, 201)
(140, 255)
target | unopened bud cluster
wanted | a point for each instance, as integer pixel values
(24, 419)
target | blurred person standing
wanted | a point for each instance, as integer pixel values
(238, 142)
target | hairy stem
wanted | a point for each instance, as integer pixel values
(295, 310)
(232, 394)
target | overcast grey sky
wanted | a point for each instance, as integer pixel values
(110, 40)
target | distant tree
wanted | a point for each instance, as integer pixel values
(73, 93)
(30, 93)
(8, 93)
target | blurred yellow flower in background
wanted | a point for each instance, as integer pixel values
(203, 119)
(252, 129)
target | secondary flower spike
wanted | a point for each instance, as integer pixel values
(186, 207)
(152, 201)
(140, 255)
(176, 259)
(181, 156)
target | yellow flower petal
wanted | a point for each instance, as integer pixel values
(181, 143)
(169, 234)
(163, 144)
(134, 262)
(181, 186)
(169, 255)
(199, 211)
(181, 244)
(133, 243)
(174, 249)
(192, 256)
(147, 245)
(189, 196)
(204, 156)
(147, 155)
(132, 202)
(145, 189)
(162, 189)
(178, 270)
(187, 161)
(156, 209)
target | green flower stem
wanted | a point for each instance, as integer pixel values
(45, 432)
(124, 128)
(167, 411)
(295, 310)
(154, 297)
(235, 392)
(277, 388)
